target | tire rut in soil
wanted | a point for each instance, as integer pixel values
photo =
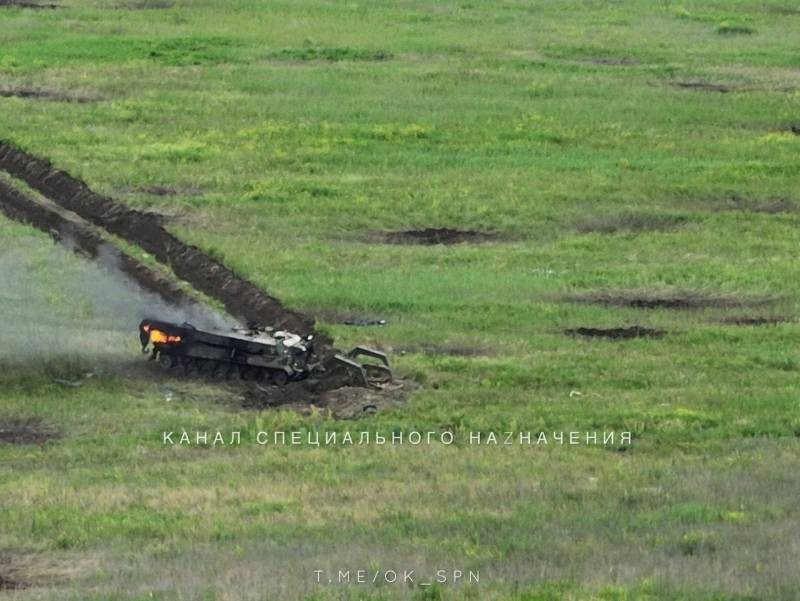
(241, 298)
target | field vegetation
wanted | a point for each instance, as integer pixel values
(626, 163)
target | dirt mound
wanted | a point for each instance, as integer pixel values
(676, 300)
(431, 236)
(616, 333)
(25, 430)
(241, 298)
(41, 94)
(80, 238)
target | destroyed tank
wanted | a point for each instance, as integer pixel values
(263, 355)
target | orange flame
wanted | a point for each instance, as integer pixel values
(159, 337)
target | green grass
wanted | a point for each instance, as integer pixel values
(295, 134)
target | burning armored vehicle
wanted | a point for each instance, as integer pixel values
(263, 355)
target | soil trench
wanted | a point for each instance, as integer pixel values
(241, 298)
(80, 238)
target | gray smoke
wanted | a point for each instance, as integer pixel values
(54, 304)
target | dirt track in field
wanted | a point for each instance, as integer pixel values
(241, 298)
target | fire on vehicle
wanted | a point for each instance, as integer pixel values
(260, 354)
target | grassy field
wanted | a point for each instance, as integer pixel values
(625, 149)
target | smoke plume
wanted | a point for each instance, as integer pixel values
(56, 305)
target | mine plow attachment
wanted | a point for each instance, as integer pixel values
(376, 373)
(368, 352)
(367, 375)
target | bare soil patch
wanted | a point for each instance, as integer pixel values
(25, 430)
(433, 236)
(672, 300)
(333, 395)
(631, 222)
(241, 298)
(347, 402)
(42, 94)
(616, 333)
